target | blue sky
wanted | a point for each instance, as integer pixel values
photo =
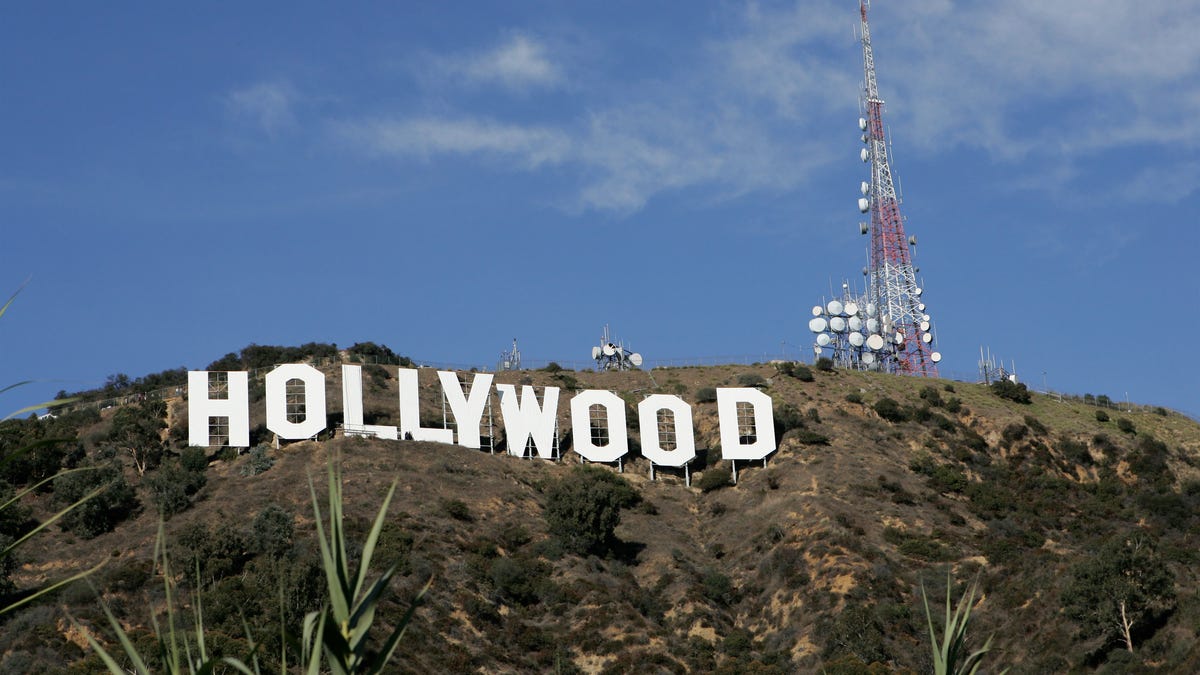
(181, 181)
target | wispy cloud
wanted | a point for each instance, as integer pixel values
(526, 146)
(269, 105)
(520, 62)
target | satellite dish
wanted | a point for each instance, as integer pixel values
(855, 323)
(862, 229)
(816, 350)
(864, 138)
(818, 310)
(919, 292)
(925, 325)
(823, 339)
(920, 307)
(868, 357)
(818, 325)
(875, 342)
(927, 338)
(865, 155)
(871, 309)
(595, 352)
(1013, 378)
(608, 349)
(850, 308)
(865, 187)
(935, 357)
(925, 317)
(912, 240)
(872, 325)
(636, 359)
(862, 124)
(837, 324)
(864, 204)
(834, 307)
(899, 338)
(856, 339)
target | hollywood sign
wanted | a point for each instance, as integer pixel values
(524, 417)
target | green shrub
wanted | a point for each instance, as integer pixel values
(751, 380)
(931, 396)
(1101, 416)
(1126, 426)
(854, 397)
(583, 509)
(1035, 424)
(101, 513)
(706, 395)
(259, 461)
(803, 373)
(1013, 391)
(824, 364)
(890, 410)
(457, 509)
(552, 367)
(715, 478)
(272, 530)
(809, 437)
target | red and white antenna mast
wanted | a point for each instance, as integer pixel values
(892, 282)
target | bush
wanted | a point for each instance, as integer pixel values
(809, 437)
(706, 395)
(101, 513)
(1126, 426)
(259, 461)
(803, 373)
(1035, 424)
(1101, 416)
(854, 397)
(172, 486)
(272, 530)
(889, 410)
(1013, 391)
(751, 380)
(457, 509)
(824, 364)
(715, 478)
(584, 508)
(552, 367)
(931, 396)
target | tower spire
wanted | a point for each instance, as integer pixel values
(892, 282)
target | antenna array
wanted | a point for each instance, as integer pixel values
(610, 356)
(893, 331)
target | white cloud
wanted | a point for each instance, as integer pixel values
(519, 63)
(527, 146)
(267, 104)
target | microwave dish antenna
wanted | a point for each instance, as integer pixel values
(610, 355)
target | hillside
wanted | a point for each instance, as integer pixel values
(814, 561)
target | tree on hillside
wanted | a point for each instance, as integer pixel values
(1121, 592)
(584, 508)
(137, 432)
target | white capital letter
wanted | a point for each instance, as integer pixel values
(523, 419)
(352, 406)
(468, 412)
(314, 401)
(201, 408)
(410, 412)
(764, 423)
(685, 440)
(581, 426)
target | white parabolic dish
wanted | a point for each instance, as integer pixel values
(855, 323)
(818, 325)
(823, 339)
(837, 324)
(595, 352)
(834, 307)
(856, 339)
(935, 357)
(818, 310)
(868, 357)
(851, 308)
(875, 342)
(608, 350)
(635, 359)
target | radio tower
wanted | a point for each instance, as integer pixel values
(891, 278)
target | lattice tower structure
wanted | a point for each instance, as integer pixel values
(892, 281)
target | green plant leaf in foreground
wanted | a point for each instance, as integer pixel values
(951, 655)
